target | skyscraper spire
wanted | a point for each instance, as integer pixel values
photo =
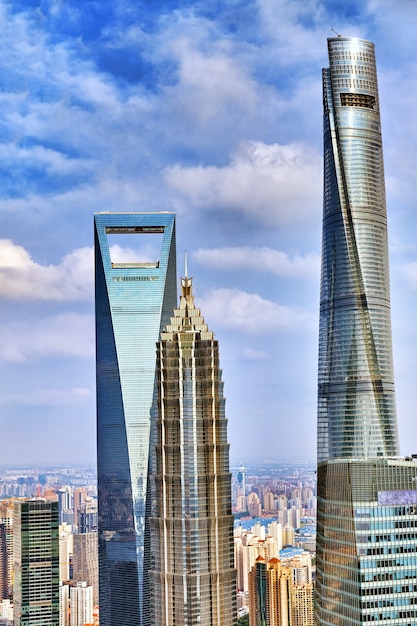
(187, 299)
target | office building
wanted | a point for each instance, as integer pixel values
(192, 576)
(135, 298)
(367, 496)
(36, 563)
(356, 404)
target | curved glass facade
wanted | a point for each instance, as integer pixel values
(356, 401)
(134, 302)
(366, 495)
(192, 574)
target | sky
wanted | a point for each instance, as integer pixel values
(212, 110)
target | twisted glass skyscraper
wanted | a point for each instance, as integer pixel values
(134, 301)
(367, 494)
(356, 412)
(192, 575)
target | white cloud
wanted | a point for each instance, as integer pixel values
(22, 278)
(254, 355)
(409, 270)
(210, 83)
(46, 397)
(259, 259)
(66, 335)
(273, 184)
(233, 309)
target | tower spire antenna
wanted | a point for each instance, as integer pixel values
(336, 33)
(186, 282)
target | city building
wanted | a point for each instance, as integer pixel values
(87, 518)
(241, 481)
(65, 501)
(251, 544)
(6, 613)
(81, 604)
(193, 578)
(65, 551)
(281, 592)
(254, 505)
(85, 561)
(64, 604)
(6, 547)
(4, 586)
(134, 299)
(36, 563)
(367, 495)
(79, 498)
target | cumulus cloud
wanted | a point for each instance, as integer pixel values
(272, 184)
(233, 309)
(210, 83)
(260, 259)
(66, 335)
(22, 278)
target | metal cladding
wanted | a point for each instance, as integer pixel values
(134, 301)
(356, 399)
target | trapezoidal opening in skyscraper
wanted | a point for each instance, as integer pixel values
(135, 246)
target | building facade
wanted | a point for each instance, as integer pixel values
(134, 301)
(192, 571)
(4, 587)
(367, 497)
(36, 563)
(81, 604)
(281, 592)
(241, 481)
(85, 561)
(356, 403)
(6, 546)
(367, 542)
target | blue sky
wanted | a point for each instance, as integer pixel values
(212, 110)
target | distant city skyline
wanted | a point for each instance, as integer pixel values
(213, 113)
